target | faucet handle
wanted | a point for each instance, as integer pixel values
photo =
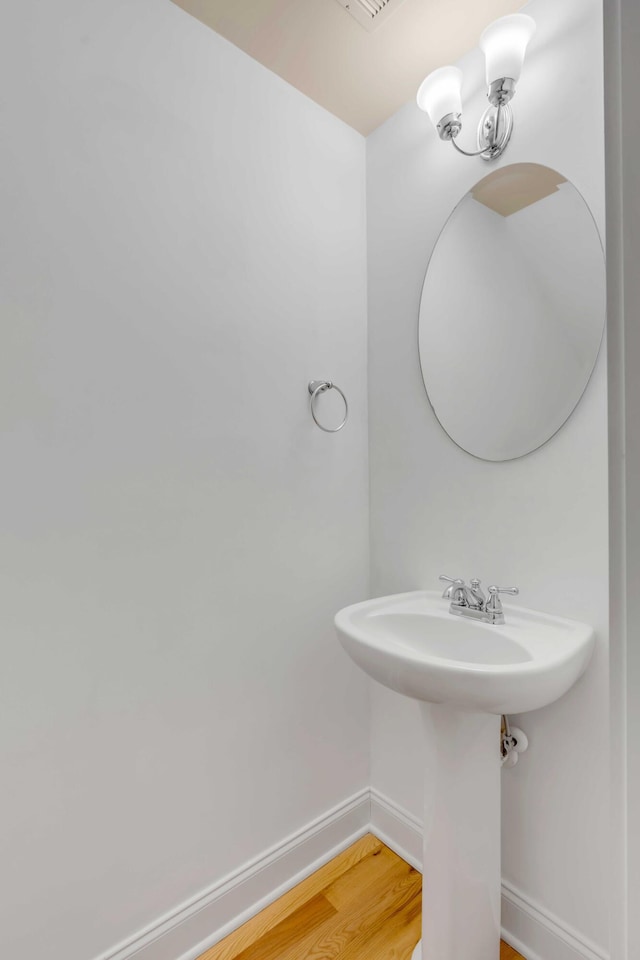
(513, 591)
(453, 582)
(493, 602)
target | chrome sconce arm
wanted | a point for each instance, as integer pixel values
(504, 44)
(494, 133)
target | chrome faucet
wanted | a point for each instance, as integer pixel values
(470, 601)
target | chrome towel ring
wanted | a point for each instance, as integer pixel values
(316, 387)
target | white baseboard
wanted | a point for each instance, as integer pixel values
(539, 935)
(398, 828)
(186, 932)
(196, 925)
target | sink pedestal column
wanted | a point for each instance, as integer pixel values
(461, 864)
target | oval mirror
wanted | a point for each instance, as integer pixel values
(512, 311)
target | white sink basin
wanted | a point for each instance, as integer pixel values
(411, 643)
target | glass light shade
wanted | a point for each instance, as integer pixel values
(440, 93)
(504, 43)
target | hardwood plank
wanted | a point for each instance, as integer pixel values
(309, 916)
(394, 933)
(366, 879)
(508, 953)
(353, 927)
(253, 929)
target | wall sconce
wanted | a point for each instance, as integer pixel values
(504, 43)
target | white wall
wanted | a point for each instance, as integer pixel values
(183, 248)
(539, 522)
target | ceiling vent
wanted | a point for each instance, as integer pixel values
(370, 13)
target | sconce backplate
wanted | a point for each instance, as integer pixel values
(492, 144)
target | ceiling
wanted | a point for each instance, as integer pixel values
(361, 76)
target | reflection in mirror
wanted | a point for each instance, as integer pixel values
(512, 311)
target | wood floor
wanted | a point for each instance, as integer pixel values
(364, 905)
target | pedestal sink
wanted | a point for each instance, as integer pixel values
(465, 674)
